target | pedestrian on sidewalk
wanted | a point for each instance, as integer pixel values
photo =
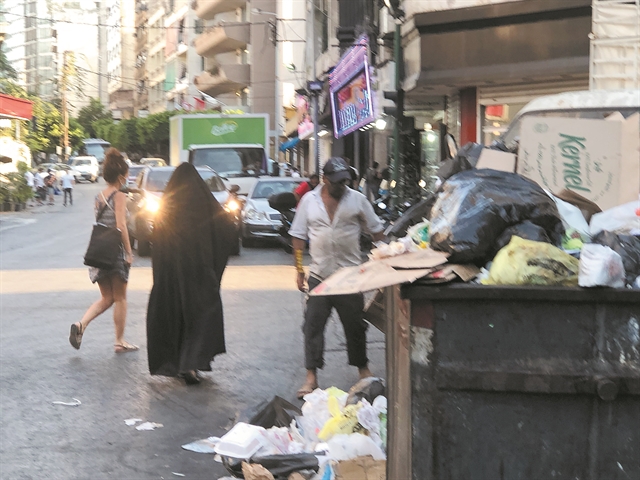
(192, 240)
(331, 219)
(30, 179)
(41, 190)
(50, 184)
(68, 181)
(110, 206)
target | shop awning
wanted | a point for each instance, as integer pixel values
(15, 108)
(289, 144)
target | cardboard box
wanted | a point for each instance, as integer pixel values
(361, 468)
(599, 159)
(381, 273)
(497, 160)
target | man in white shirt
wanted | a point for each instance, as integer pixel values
(331, 218)
(67, 185)
(38, 182)
(28, 176)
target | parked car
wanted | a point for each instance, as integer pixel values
(144, 201)
(134, 171)
(86, 168)
(153, 162)
(259, 220)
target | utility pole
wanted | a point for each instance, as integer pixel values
(68, 69)
(314, 98)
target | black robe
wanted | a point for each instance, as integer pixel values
(192, 240)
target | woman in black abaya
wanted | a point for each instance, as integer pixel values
(192, 240)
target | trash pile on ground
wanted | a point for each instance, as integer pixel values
(336, 435)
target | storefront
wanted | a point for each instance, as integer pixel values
(481, 65)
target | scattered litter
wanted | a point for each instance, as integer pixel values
(177, 474)
(130, 422)
(75, 403)
(206, 445)
(149, 426)
(600, 266)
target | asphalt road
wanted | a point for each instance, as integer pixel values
(44, 288)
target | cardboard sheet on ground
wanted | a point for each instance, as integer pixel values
(361, 468)
(365, 277)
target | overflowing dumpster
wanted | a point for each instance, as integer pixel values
(515, 383)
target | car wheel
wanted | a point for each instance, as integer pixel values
(144, 248)
(248, 242)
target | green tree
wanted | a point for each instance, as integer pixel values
(6, 69)
(89, 115)
(153, 133)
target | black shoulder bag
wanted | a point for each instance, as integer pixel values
(104, 246)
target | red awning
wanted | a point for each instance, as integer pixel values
(16, 108)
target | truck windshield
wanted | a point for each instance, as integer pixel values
(231, 162)
(512, 136)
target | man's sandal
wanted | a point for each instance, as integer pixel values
(75, 336)
(125, 347)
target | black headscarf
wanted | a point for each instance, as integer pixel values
(191, 242)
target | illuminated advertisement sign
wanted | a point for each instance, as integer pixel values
(350, 89)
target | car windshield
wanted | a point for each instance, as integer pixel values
(512, 136)
(135, 170)
(213, 180)
(266, 189)
(157, 180)
(231, 162)
(96, 149)
(82, 162)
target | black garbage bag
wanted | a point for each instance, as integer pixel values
(280, 466)
(277, 413)
(368, 388)
(466, 159)
(475, 207)
(526, 230)
(628, 247)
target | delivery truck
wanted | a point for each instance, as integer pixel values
(232, 145)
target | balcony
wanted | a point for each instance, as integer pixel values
(223, 79)
(223, 38)
(207, 9)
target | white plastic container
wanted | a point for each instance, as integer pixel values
(242, 441)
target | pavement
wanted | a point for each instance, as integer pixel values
(44, 287)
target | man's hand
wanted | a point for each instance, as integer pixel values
(301, 282)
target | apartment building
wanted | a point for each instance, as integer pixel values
(238, 47)
(120, 42)
(30, 45)
(155, 63)
(74, 21)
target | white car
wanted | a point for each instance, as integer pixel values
(86, 168)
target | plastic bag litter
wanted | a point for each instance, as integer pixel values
(205, 445)
(586, 207)
(342, 421)
(277, 465)
(620, 219)
(572, 218)
(600, 267)
(628, 247)
(475, 207)
(276, 413)
(347, 447)
(466, 159)
(526, 230)
(315, 411)
(367, 388)
(419, 233)
(392, 249)
(524, 262)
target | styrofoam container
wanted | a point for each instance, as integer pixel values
(242, 441)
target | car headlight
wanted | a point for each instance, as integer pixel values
(232, 206)
(253, 214)
(151, 204)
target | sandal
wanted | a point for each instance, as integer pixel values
(75, 336)
(125, 347)
(306, 389)
(191, 377)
